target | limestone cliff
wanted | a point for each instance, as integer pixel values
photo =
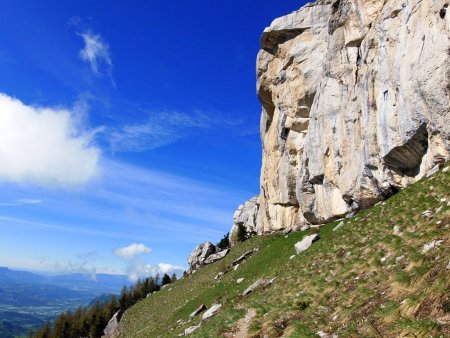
(355, 97)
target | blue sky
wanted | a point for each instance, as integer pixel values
(129, 132)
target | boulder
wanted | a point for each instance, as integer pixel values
(200, 254)
(215, 257)
(201, 308)
(258, 284)
(305, 243)
(242, 258)
(212, 311)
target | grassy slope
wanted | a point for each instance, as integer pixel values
(339, 285)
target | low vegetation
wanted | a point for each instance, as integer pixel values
(373, 277)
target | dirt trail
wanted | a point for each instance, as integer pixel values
(240, 330)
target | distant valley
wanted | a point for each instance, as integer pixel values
(28, 299)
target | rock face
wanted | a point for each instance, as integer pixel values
(355, 98)
(244, 221)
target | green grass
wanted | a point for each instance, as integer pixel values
(339, 285)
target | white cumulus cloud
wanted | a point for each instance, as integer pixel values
(44, 146)
(132, 250)
(95, 52)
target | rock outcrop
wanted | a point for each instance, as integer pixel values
(355, 98)
(112, 329)
(200, 254)
(244, 221)
(204, 254)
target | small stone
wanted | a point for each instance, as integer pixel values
(383, 259)
(431, 187)
(397, 231)
(236, 267)
(292, 257)
(433, 244)
(340, 225)
(448, 266)
(220, 274)
(445, 169)
(239, 280)
(399, 259)
(426, 213)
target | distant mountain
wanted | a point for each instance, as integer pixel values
(28, 299)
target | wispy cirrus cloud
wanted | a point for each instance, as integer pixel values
(163, 128)
(21, 201)
(44, 146)
(96, 53)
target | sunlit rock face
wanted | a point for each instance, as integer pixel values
(355, 98)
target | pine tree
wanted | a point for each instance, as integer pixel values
(166, 279)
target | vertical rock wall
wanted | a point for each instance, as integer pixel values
(355, 98)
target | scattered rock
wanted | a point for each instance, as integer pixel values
(220, 274)
(433, 244)
(397, 231)
(191, 329)
(201, 308)
(236, 267)
(242, 258)
(217, 256)
(305, 243)
(445, 169)
(292, 257)
(340, 225)
(239, 280)
(399, 259)
(322, 334)
(427, 213)
(259, 283)
(448, 265)
(149, 294)
(383, 259)
(212, 311)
